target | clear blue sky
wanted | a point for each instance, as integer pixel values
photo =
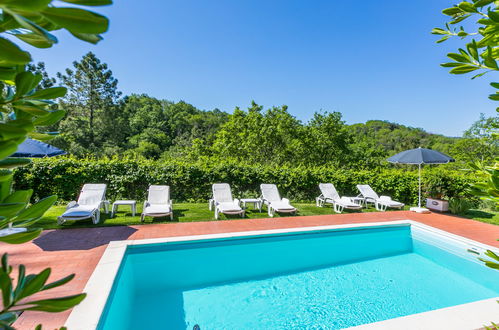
(365, 59)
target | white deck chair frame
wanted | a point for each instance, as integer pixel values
(381, 204)
(158, 195)
(329, 194)
(223, 202)
(92, 198)
(271, 198)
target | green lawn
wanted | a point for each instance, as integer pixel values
(189, 212)
(183, 212)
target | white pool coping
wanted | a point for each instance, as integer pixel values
(475, 315)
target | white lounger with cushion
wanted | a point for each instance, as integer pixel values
(381, 202)
(273, 200)
(329, 194)
(92, 197)
(223, 202)
(158, 203)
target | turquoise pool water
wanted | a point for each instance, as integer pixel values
(317, 280)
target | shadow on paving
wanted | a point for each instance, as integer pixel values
(82, 238)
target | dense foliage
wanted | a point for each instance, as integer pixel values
(128, 178)
(100, 123)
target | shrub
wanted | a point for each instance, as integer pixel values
(129, 178)
(459, 205)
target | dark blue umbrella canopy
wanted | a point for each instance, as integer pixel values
(420, 156)
(33, 149)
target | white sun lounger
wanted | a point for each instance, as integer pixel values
(329, 194)
(381, 202)
(273, 200)
(223, 202)
(158, 203)
(92, 197)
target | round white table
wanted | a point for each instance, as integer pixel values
(131, 203)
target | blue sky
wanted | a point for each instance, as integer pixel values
(365, 59)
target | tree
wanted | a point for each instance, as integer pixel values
(479, 142)
(481, 54)
(39, 68)
(23, 108)
(92, 103)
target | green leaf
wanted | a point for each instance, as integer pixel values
(451, 11)
(31, 5)
(7, 148)
(22, 237)
(463, 69)
(57, 283)
(439, 31)
(36, 29)
(57, 304)
(494, 97)
(458, 57)
(14, 162)
(77, 20)
(482, 3)
(488, 60)
(33, 284)
(30, 108)
(460, 18)
(9, 210)
(42, 136)
(7, 73)
(11, 54)
(49, 93)
(495, 85)
(450, 64)
(493, 15)
(34, 40)
(92, 2)
(8, 318)
(442, 39)
(19, 196)
(38, 209)
(88, 37)
(24, 82)
(50, 119)
(8, 131)
(472, 50)
(6, 288)
(467, 7)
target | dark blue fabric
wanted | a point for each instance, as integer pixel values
(420, 156)
(34, 149)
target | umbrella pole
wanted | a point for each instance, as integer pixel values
(419, 204)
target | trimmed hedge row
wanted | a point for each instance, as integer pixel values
(192, 182)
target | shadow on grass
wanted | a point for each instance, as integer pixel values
(472, 214)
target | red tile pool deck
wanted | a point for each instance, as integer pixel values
(79, 250)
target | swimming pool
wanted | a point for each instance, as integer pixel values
(330, 278)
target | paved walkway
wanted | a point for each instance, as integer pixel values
(79, 250)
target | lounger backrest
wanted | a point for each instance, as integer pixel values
(92, 194)
(222, 192)
(158, 194)
(270, 192)
(329, 191)
(367, 191)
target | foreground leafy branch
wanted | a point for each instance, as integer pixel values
(480, 55)
(24, 107)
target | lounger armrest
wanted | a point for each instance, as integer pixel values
(285, 200)
(146, 204)
(171, 204)
(71, 204)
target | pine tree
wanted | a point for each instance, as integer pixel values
(93, 120)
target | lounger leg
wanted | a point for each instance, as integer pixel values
(171, 216)
(270, 211)
(60, 221)
(216, 213)
(142, 216)
(242, 214)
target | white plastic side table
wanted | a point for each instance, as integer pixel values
(131, 203)
(257, 203)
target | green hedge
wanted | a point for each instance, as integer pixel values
(192, 182)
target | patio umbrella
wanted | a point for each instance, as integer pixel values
(36, 149)
(420, 156)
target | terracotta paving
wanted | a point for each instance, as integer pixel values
(79, 250)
